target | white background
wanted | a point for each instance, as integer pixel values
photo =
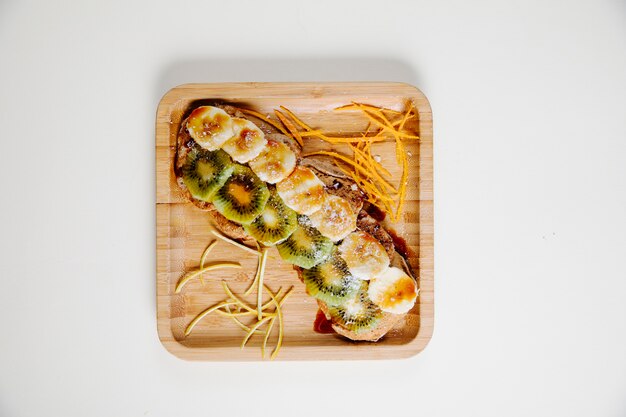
(529, 104)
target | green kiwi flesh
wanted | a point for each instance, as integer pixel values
(331, 281)
(305, 247)
(205, 172)
(243, 196)
(275, 224)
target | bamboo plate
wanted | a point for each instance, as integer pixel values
(183, 231)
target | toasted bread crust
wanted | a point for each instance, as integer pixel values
(335, 181)
(386, 323)
(368, 224)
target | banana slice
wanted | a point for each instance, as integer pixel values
(364, 255)
(275, 162)
(302, 191)
(393, 291)
(335, 219)
(247, 143)
(210, 127)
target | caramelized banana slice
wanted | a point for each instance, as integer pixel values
(302, 191)
(393, 291)
(210, 127)
(364, 255)
(275, 162)
(247, 143)
(335, 219)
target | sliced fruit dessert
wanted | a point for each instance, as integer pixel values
(305, 247)
(243, 196)
(312, 204)
(331, 281)
(275, 224)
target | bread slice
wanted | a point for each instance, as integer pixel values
(184, 143)
(386, 323)
(336, 182)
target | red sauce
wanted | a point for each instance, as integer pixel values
(376, 213)
(322, 324)
(400, 244)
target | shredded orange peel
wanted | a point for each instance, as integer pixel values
(267, 119)
(290, 127)
(363, 167)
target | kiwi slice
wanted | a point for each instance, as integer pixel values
(358, 313)
(306, 247)
(275, 224)
(205, 172)
(242, 197)
(331, 280)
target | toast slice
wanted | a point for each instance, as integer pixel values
(184, 143)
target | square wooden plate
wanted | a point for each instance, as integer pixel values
(183, 231)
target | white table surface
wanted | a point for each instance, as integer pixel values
(529, 104)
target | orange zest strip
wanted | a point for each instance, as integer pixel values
(265, 119)
(296, 119)
(362, 166)
(355, 106)
(385, 125)
(320, 133)
(369, 159)
(375, 196)
(371, 189)
(290, 127)
(399, 122)
(309, 131)
(370, 162)
(402, 191)
(406, 115)
(377, 116)
(340, 139)
(350, 162)
(356, 139)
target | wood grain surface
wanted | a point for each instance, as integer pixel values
(183, 231)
